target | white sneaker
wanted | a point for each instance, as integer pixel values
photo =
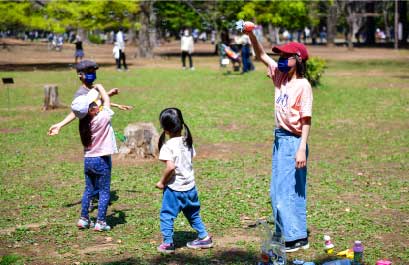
(101, 226)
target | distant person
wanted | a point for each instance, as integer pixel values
(121, 44)
(178, 182)
(203, 36)
(306, 34)
(323, 34)
(286, 35)
(98, 139)
(213, 37)
(246, 53)
(79, 51)
(60, 43)
(186, 47)
(117, 55)
(195, 35)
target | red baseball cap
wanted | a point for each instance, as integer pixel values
(293, 48)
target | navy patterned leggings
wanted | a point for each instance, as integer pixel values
(97, 171)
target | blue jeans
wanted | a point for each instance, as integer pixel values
(97, 171)
(246, 57)
(288, 189)
(173, 202)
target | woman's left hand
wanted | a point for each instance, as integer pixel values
(300, 159)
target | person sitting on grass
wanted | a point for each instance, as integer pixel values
(178, 182)
(98, 139)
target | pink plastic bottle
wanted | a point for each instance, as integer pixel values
(384, 262)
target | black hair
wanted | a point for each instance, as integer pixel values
(301, 66)
(85, 128)
(171, 120)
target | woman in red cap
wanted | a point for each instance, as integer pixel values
(293, 109)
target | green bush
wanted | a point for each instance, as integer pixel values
(315, 69)
(95, 38)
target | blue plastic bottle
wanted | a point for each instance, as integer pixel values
(338, 262)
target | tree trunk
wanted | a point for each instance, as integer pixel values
(51, 97)
(370, 23)
(403, 18)
(140, 141)
(147, 32)
(351, 20)
(331, 24)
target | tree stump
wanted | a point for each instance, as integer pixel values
(51, 97)
(141, 141)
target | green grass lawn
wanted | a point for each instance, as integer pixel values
(358, 170)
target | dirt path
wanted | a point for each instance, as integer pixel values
(17, 54)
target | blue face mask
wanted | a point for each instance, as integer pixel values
(283, 65)
(90, 78)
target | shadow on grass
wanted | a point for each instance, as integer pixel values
(180, 238)
(113, 197)
(117, 217)
(219, 257)
(229, 257)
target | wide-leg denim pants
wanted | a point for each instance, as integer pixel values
(173, 202)
(97, 171)
(288, 189)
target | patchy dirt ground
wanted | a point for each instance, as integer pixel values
(18, 55)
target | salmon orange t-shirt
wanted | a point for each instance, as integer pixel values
(293, 100)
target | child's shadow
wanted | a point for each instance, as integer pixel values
(117, 217)
(180, 238)
(113, 197)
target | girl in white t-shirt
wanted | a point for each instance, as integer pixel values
(178, 182)
(293, 110)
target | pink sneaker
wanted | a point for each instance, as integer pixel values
(84, 223)
(167, 248)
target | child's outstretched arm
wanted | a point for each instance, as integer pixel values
(113, 92)
(167, 174)
(105, 98)
(55, 128)
(121, 106)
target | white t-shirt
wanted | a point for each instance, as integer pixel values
(176, 151)
(186, 44)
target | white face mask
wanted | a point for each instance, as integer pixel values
(186, 33)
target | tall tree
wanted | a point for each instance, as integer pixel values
(291, 15)
(21, 15)
(147, 31)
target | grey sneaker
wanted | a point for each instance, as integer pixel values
(200, 243)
